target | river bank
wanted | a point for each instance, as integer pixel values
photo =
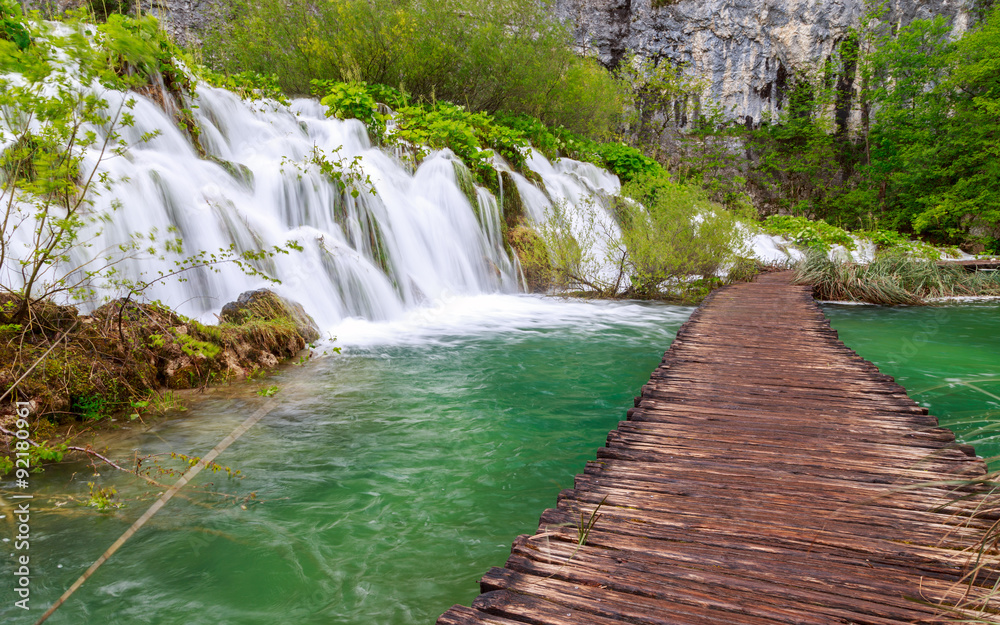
(73, 372)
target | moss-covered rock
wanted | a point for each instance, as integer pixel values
(513, 205)
(533, 256)
(265, 305)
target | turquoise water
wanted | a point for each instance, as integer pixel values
(946, 356)
(387, 479)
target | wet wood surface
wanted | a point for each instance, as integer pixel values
(976, 264)
(767, 474)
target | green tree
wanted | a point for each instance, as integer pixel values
(48, 122)
(962, 182)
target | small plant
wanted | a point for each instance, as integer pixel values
(807, 233)
(103, 498)
(268, 391)
(93, 407)
(197, 349)
(247, 85)
(351, 101)
(587, 523)
(12, 26)
(214, 467)
(891, 279)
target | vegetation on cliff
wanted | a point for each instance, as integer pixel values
(897, 132)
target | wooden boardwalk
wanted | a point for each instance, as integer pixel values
(979, 264)
(767, 475)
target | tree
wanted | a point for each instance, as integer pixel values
(51, 121)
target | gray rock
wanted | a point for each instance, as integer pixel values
(746, 50)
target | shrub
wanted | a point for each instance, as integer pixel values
(627, 162)
(806, 233)
(351, 101)
(675, 233)
(667, 241)
(495, 56)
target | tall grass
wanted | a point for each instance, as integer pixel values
(975, 598)
(891, 279)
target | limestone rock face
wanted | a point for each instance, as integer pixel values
(746, 50)
(186, 20)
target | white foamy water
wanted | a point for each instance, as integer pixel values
(457, 316)
(385, 243)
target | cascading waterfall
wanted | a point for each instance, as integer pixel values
(385, 241)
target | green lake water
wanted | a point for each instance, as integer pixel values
(391, 477)
(946, 356)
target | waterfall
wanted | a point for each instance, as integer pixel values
(387, 240)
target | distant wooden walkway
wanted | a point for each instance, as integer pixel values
(768, 474)
(979, 264)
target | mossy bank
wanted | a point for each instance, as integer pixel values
(120, 360)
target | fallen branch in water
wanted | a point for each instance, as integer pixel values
(94, 454)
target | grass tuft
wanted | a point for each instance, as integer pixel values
(891, 280)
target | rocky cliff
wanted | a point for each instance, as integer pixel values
(746, 51)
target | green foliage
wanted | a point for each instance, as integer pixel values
(103, 498)
(627, 162)
(494, 56)
(659, 97)
(92, 407)
(351, 101)
(268, 391)
(668, 242)
(6, 465)
(44, 452)
(197, 349)
(473, 137)
(137, 52)
(12, 25)
(247, 85)
(924, 159)
(672, 231)
(807, 233)
(743, 269)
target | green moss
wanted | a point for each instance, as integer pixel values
(513, 205)
(533, 256)
(467, 184)
(240, 172)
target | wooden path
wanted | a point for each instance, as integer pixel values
(979, 264)
(767, 475)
